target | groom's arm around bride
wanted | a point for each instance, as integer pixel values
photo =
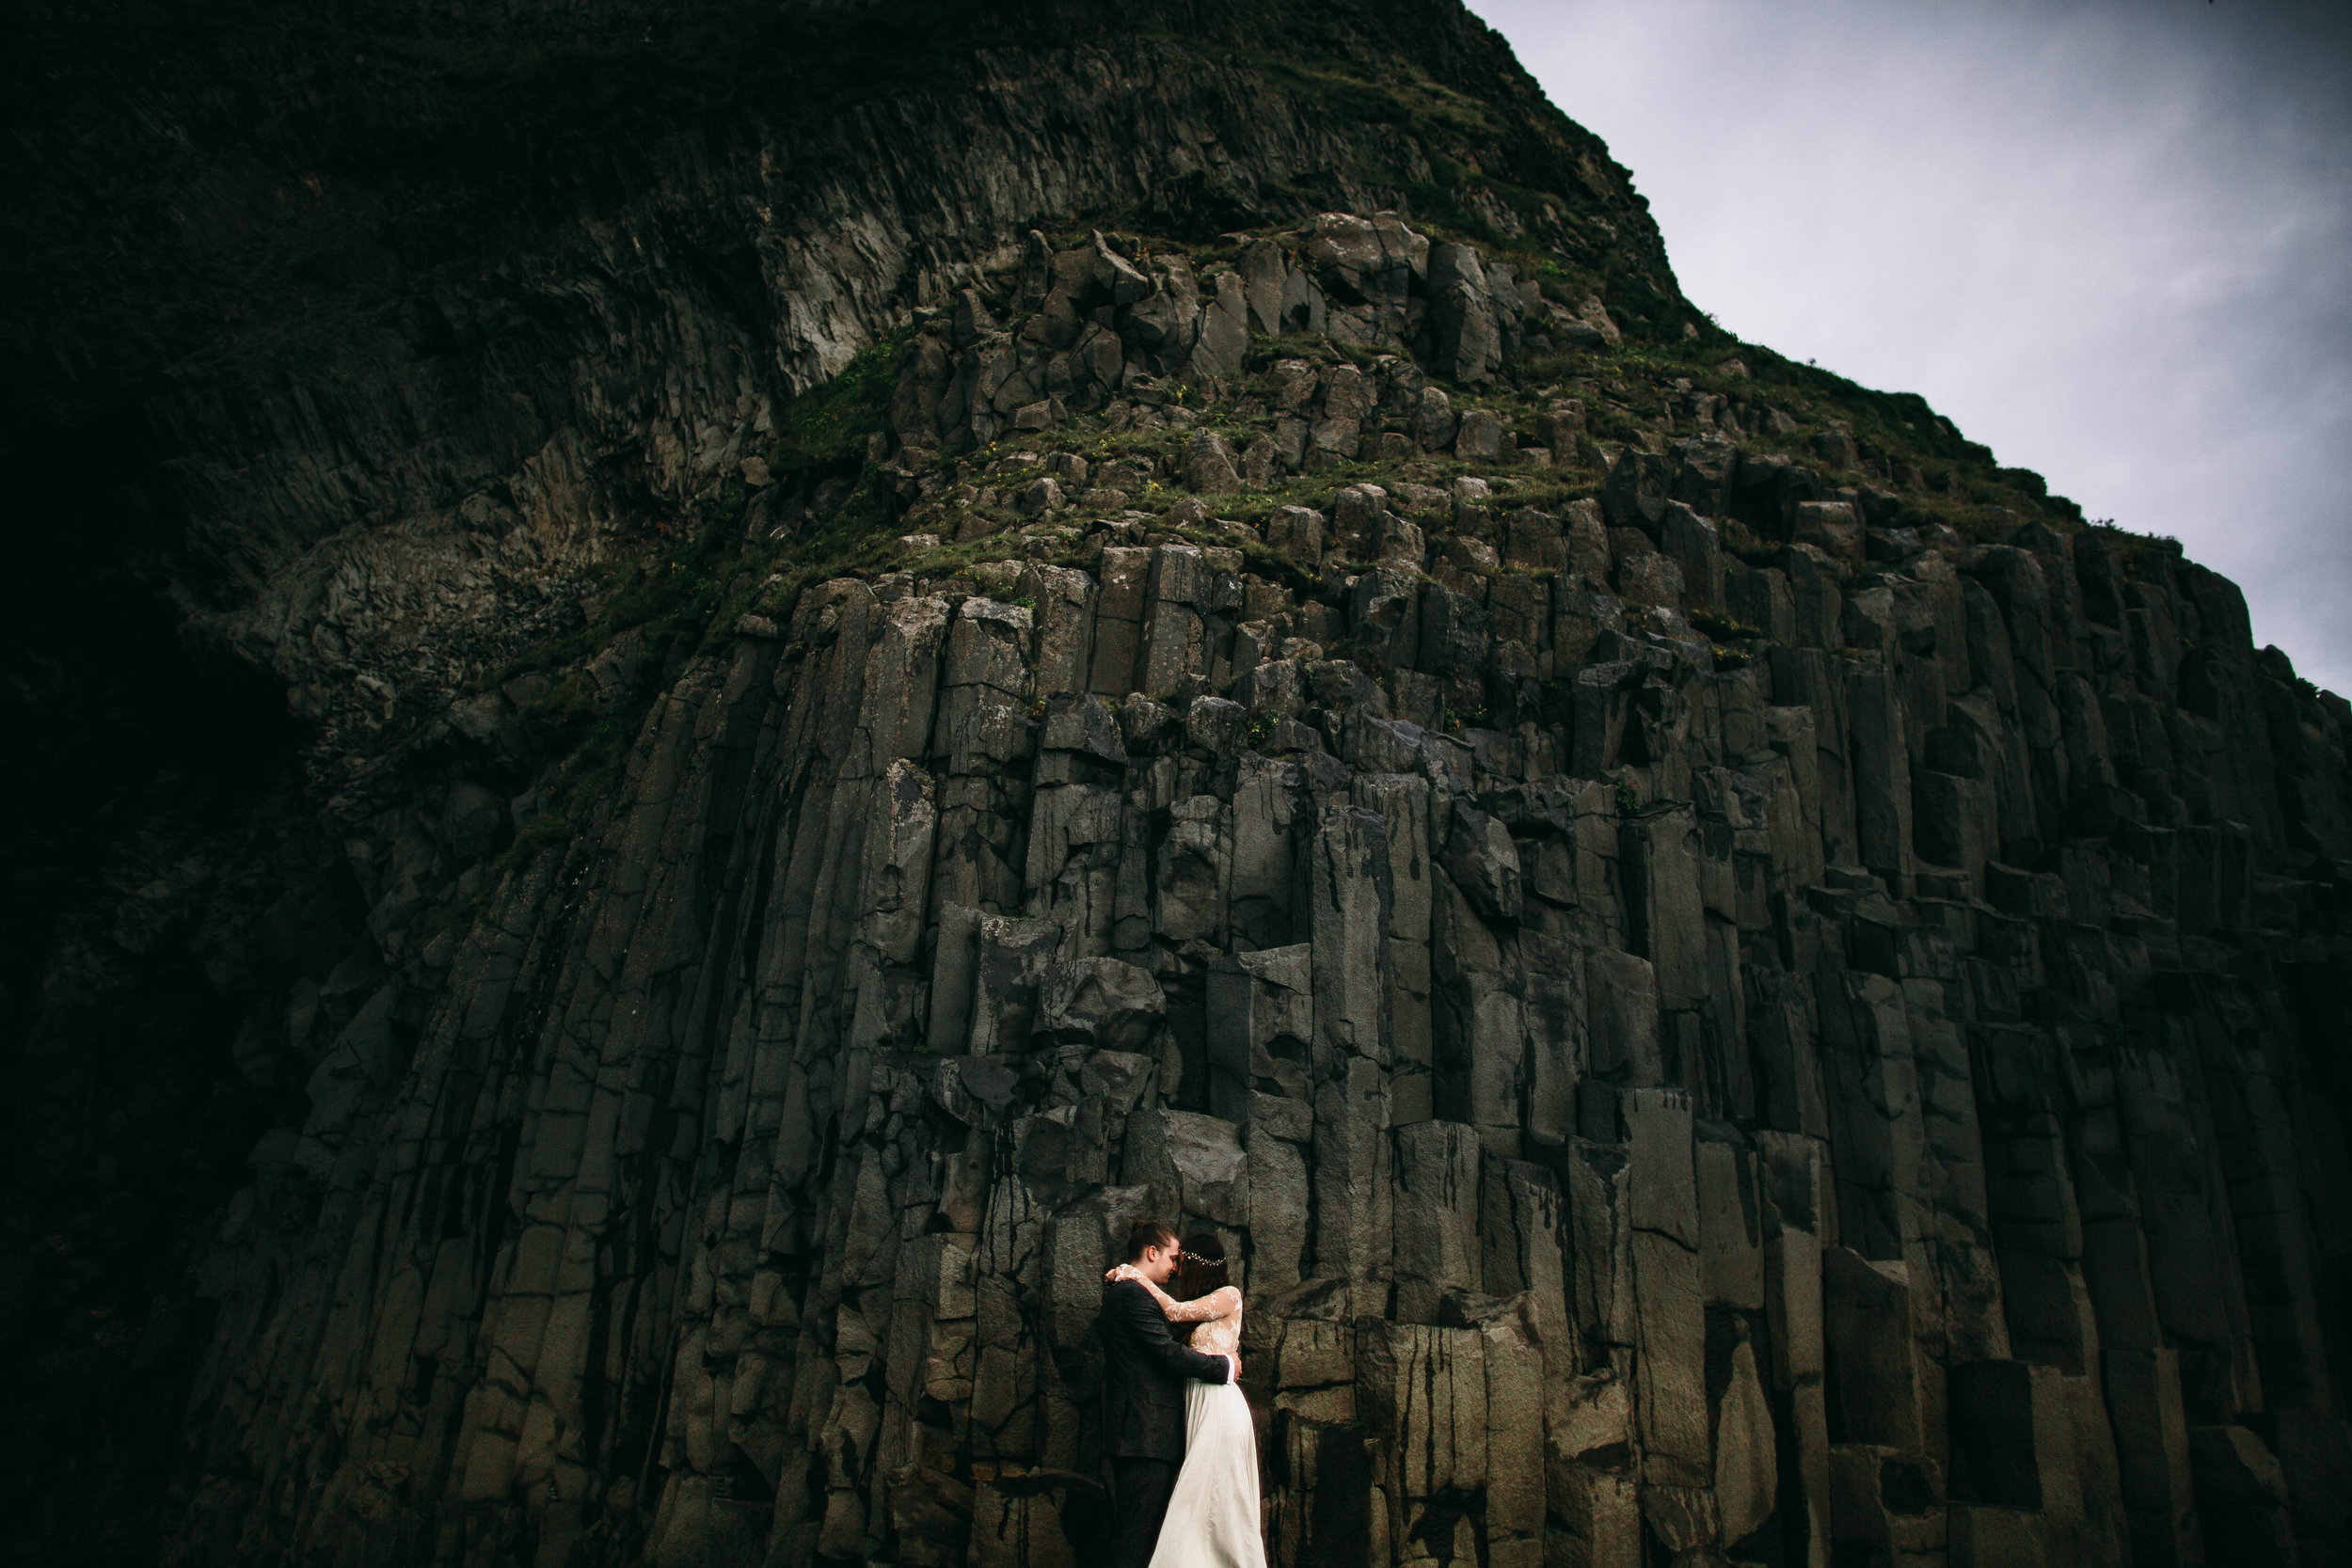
(1144, 1372)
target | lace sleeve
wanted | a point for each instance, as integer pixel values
(1218, 1303)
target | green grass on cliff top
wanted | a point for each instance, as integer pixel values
(684, 596)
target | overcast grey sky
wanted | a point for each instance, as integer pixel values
(2112, 239)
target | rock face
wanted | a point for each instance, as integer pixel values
(1733, 1000)
(1835, 1096)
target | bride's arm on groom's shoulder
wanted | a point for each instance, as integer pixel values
(1129, 1274)
(1173, 1310)
(1216, 1303)
(1222, 1302)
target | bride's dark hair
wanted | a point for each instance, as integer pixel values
(1200, 1267)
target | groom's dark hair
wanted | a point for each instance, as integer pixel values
(1149, 1233)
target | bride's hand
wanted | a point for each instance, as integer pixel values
(1123, 1271)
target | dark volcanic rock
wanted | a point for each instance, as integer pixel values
(889, 692)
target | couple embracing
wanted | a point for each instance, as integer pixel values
(1184, 1454)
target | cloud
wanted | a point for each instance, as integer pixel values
(2112, 241)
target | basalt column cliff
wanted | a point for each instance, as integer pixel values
(710, 686)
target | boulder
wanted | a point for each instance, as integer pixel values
(1481, 858)
(1104, 1002)
(1209, 464)
(1479, 437)
(1193, 1164)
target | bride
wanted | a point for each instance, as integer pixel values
(1213, 1515)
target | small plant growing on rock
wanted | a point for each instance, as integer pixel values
(1722, 628)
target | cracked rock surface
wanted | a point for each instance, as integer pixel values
(1740, 985)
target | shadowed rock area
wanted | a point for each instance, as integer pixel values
(1050, 618)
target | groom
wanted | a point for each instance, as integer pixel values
(1144, 1370)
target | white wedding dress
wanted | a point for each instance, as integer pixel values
(1213, 1515)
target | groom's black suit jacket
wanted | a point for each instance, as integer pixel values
(1144, 1371)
